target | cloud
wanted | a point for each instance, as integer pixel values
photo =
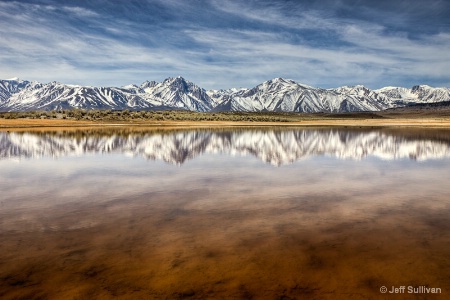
(380, 56)
(60, 50)
(219, 44)
(79, 11)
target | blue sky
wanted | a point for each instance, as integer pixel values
(224, 44)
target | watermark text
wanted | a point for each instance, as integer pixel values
(403, 289)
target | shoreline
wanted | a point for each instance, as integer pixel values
(18, 124)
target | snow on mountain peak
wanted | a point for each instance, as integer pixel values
(130, 86)
(148, 84)
(277, 94)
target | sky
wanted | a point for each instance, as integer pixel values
(220, 44)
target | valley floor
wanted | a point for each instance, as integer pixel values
(347, 122)
(188, 119)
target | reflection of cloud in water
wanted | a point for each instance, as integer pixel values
(277, 147)
(225, 227)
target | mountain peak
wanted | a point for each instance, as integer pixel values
(130, 86)
(420, 87)
(176, 79)
(181, 84)
(176, 82)
(281, 80)
(148, 84)
(354, 87)
(277, 94)
(278, 79)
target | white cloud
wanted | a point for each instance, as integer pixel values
(40, 44)
(80, 11)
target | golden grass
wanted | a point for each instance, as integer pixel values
(11, 124)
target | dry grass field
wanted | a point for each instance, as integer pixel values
(78, 118)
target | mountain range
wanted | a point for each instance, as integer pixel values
(278, 95)
(277, 147)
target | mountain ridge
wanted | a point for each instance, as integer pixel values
(277, 95)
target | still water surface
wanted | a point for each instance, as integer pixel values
(224, 214)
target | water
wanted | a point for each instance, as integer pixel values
(224, 213)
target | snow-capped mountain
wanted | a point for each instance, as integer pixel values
(10, 87)
(54, 96)
(177, 93)
(277, 147)
(417, 94)
(180, 93)
(288, 96)
(220, 96)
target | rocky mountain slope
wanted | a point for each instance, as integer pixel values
(178, 93)
(287, 95)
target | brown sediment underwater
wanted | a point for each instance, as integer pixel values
(163, 247)
(192, 222)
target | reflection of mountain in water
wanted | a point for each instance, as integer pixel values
(273, 146)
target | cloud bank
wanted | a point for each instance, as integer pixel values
(223, 44)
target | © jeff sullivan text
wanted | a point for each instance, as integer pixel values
(422, 289)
